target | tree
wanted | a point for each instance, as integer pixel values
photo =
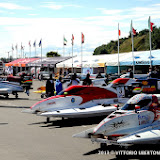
(141, 43)
(156, 38)
(52, 54)
(101, 50)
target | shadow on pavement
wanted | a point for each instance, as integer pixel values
(96, 151)
(70, 122)
(11, 99)
(3, 123)
(13, 106)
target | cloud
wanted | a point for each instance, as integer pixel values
(32, 14)
(25, 29)
(52, 5)
(136, 13)
(144, 0)
(158, 4)
(12, 6)
(55, 6)
(110, 12)
(98, 30)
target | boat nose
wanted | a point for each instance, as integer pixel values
(45, 102)
(125, 140)
(99, 129)
(35, 106)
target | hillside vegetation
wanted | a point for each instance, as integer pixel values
(141, 43)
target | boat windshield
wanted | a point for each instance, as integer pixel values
(143, 104)
(74, 91)
(128, 107)
(61, 93)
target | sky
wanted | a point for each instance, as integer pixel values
(22, 21)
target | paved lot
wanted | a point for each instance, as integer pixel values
(26, 137)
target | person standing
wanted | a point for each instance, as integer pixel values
(131, 74)
(50, 87)
(87, 80)
(74, 80)
(99, 75)
(59, 87)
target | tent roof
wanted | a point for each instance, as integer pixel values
(140, 58)
(48, 61)
(143, 58)
(94, 61)
(88, 61)
(22, 62)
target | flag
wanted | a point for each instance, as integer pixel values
(40, 42)
(34, 44)
(150, 24)
(133, 31)
(64, 41)
(82, 38)
(29, 43)
(119, 32)
(72, 39)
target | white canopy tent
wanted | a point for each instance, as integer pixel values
(143, 58)
(110, 61)
(96, 60)
(88, 61)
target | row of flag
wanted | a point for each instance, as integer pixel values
(72, 40)
(133, 31)
(22, 47)
(40, 42)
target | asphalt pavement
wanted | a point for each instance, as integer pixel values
(27, 137)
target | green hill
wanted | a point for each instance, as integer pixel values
(141, 43)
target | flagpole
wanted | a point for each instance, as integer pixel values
(118, 52)
(23, 53)
(41, 51)
(150, 42)
(30, 48)
(30, 51)
(12, 51)
(16, 51)
(81, 56)
(35, 52)
(34, 44)
(63, 53)
(132, 47)
(63, 50)
(150, 48)
(21, 49)
(72, 57)
(72, 52)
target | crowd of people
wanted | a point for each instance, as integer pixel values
(55, 88)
